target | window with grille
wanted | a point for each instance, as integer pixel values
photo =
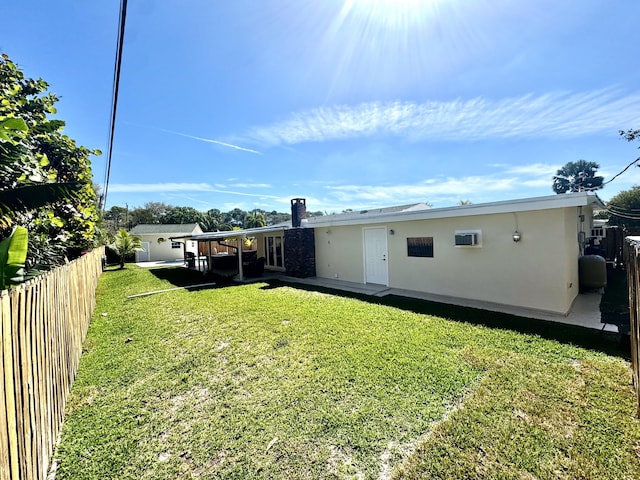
(420, 246)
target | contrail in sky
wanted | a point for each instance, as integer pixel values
(208, 140)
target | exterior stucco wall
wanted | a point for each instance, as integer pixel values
(572, 245)
(539, 272)
(162, 251)
(339, 253)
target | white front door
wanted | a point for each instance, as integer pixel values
(375, 256)
(143, 255)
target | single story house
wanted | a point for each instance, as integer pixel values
(523, 253)
(156, 241)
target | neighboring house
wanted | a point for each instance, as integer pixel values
(157, 244)
(521, 253)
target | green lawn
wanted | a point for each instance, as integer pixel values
(274, 382)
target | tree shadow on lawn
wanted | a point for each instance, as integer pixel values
(610, 343)
(614, 344)
(183, 277)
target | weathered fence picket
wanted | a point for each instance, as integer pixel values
(43, 323)
(632, 261)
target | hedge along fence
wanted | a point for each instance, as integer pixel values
(632, 261)
(43, 324)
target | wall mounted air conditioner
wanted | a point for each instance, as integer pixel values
(468, 238)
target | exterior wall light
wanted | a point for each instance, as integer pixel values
(392, 232)
(516, 236)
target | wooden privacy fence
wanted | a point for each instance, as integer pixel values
(632, 261)
(43, 324)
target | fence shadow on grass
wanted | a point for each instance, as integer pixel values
(606, 342)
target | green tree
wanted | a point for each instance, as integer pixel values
(577, 177)
(624, 210)
(630, 135)
(183, 215)
(125, 244)
(116, 217)
(235, 217)
(274, 217)
(46, 185)
(151, 213)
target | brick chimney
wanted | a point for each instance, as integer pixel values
(298, 211)
(299, 243)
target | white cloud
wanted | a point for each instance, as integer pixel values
(552, 115)
(249, 185)
(423, 191)
(536, 169)
(441, 191)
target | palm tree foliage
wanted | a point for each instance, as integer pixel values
(254, 220)
(577, 177)
(125, 245)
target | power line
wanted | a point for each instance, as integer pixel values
(618, 212)
(624, 170)
(114, 97)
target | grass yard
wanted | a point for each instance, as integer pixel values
(273, 382)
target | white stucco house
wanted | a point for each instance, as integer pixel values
(157, 244)
(523, 253)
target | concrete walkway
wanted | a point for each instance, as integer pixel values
(584, 313)
(163, 263)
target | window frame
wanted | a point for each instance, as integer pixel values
(422, 243)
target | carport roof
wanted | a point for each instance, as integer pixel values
(166, 228)
(235, 233)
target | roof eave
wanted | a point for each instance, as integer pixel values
(214, 236)
(579, 199)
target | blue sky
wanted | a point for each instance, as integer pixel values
(348, 103)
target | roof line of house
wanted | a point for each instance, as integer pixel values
(577, 199)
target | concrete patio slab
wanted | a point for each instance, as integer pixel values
(585, 311)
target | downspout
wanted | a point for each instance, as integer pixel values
(581, 234)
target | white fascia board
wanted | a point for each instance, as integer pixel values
(580, 199)
(233, 233)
